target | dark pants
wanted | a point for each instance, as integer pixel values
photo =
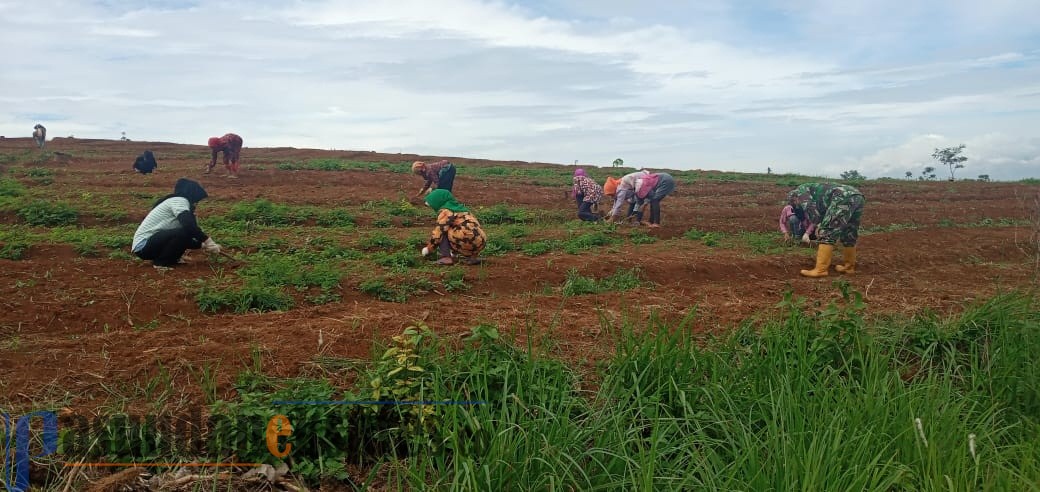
(794, 225)
(665, 186)
(446, 178)
(166, 247)
(585, 212)
(444, 248)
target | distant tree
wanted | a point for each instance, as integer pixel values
(950, 157)
(618, 162)
(123, 138)
(983, 177)
(909, 175)
(852, 175)
(927, 174)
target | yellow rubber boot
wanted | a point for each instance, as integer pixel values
(849, 255)
(823, 261)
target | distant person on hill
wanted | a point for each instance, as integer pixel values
(587, 193)
(625, 192)
(231, 145)
(439, 175)
(651, 189)
(39, 135)
(145, 163)
(794, 224)
(835, 210)
(170, 227)
(458, 232)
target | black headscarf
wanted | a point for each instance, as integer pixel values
(187, 189)
(145, 162)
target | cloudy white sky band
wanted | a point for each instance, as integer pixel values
(809, 86)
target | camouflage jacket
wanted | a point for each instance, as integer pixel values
(816, 198)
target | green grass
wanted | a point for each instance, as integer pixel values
(48, 214)
(264, 212)
(14, 251)
(215, 296)
(813, 399)
(344, 165)
(537, 248)
(395, 288)
(502, 214)
(622, 280)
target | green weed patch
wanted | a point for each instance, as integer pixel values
(48, 214)
(622, 280)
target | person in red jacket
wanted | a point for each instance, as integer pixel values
(231, 146)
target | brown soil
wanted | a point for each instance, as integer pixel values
(75, 331)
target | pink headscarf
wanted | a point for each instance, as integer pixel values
(579, 172)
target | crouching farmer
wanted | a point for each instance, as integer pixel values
(458, 233)
(170, 227)
(145, 163)
(794, 225)
(587, 194)
(835, 210)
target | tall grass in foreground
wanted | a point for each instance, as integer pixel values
(809, 401)
(820, 402)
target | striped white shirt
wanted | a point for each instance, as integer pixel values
(162, 217)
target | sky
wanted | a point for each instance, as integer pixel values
(814, 87)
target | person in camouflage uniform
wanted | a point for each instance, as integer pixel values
(458, 232)
(836, 210)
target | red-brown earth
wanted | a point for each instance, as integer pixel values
(87, 332)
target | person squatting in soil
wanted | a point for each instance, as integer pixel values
(624, 192)
(836, 210)
(170, 227)
(651, 189)
(231, 145)
(458, 232)
(39, 135)
(794, 224)
(587, 194)
(439, 175)
(145, 163)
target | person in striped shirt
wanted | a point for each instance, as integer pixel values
(231, 145)
(170, 227)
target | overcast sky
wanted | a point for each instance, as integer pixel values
(808, 86)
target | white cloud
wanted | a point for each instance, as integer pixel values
(998, 155)
(125, 32)
(713, 85)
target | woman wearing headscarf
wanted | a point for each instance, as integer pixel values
(587, 193)
(458, 232)
(651, 189)
(231, 145)
(170, 227)
(439, 175)
(145, 163)
(625, 192)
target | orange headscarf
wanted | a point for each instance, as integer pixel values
(610, 187)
